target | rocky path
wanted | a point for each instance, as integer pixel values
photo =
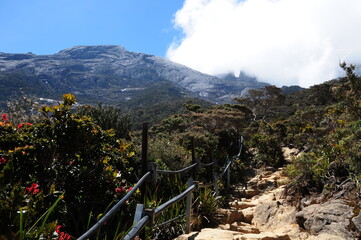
(262, 212)
(252, 212)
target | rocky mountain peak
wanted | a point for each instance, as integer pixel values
(90, 52)
(104, 69)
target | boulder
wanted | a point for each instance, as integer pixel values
(325, 236)
(357, 221)
(332, 218)
(273, 215)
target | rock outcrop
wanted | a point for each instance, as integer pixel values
(332, 217)
(268, 216)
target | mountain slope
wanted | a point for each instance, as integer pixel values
(107, 73)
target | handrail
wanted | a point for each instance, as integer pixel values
(151, 214)
(207, 164)
(240, 147)
(178, 171)
(169, 221)
(111, 212)
(226, 168)
(176, 199)
(137, 228)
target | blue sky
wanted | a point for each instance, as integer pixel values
(283, 42)
(48, 26)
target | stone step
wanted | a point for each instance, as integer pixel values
(262, 236)
(248, 214)
(219, 234)
(241, 205)
(209, 234)
(241, 227)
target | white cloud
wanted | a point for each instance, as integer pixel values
(283, 42)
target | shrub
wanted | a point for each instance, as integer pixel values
(64, 153)
(269, 151)
(108, 117)
(333, 160)
(207, 207)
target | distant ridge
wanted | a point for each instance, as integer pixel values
(99, 73)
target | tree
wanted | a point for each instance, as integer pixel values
(108, 117)
(350, 92)
(262, 99)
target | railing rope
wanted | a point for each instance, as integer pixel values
(113, 210)
(147, 217)
(176, 199)
(207, 164)
(186, 169)
(229, 162)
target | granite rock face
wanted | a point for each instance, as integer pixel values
(100, 70)
(332, 218)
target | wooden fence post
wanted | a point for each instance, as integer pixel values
(143, 189)
(216, 186)
(194, 159)
(229, 176)
(210, 170)
(144, 158)
(189, 208)
(152, 167)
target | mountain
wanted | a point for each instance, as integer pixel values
(110, 74)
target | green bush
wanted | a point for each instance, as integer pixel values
(108, 117)
(333, 160)
(63, 154)
(269, 150)
(168, 154)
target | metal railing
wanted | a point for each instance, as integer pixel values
(181, 171)
(144, 217)
(115, 208)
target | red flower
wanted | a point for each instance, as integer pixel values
(119, 190)
(36, 191)
(24, 124)
(64, 236)
(5, 117)
(34, 188)
(129, 189)
(57, 229)
(2, 160)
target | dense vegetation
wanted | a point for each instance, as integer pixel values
(61, 167)
(63, 164)
(322, 122)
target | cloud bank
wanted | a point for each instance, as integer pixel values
(283, 42)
